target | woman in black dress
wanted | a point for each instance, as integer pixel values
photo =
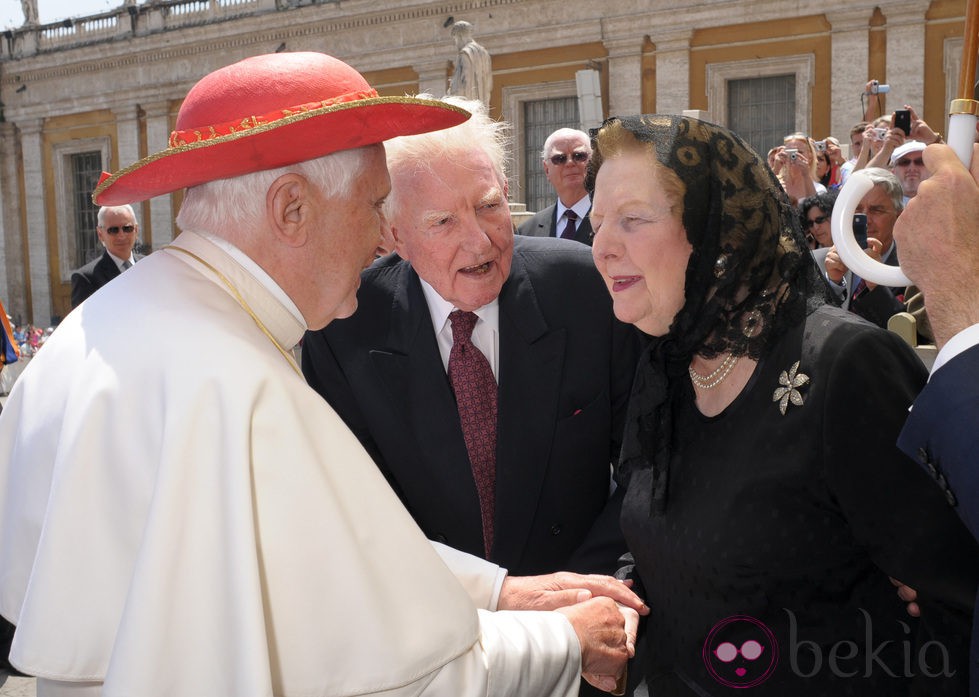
(766, 501)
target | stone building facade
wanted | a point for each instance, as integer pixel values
(100, 92)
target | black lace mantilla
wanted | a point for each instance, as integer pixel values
(750, 276)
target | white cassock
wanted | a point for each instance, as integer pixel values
(180, 515)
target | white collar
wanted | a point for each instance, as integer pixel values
(580, 207)
(258, 272)
(439, 308)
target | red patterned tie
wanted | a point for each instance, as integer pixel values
(570, 228)
(475, 390)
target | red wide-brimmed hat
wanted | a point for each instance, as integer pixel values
(271, 111)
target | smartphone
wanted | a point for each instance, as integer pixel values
(860, 229)
(902, 120)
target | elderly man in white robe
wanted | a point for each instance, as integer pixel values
(181, 515)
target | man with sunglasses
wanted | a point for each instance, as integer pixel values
(908, 167)
(565, 156)
(117, 230)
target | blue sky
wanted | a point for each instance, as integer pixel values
(11, 14)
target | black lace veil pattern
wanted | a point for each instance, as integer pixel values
(749, 278)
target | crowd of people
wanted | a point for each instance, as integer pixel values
(888, 148)
(507, 463)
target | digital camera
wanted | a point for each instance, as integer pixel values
(820, 145)
(877, 88)
(793, 154)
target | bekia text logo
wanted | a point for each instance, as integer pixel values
(740, 652)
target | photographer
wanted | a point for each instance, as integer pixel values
(796, 161)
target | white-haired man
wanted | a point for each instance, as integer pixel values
(565, 158)
(117, 230)
(882, 205)
(181, 515)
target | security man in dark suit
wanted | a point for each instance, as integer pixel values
(565, 156)
(117, 230)
(524, 479)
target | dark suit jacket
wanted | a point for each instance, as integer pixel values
(941, 434)
(565, 372)
(877, 305)
(92, 276)
(544, 224)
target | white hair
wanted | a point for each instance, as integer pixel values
(105, 210)
(239, 202)
(416, 153)
(564, 133)
(889, 182)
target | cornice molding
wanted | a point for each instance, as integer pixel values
(246, 34)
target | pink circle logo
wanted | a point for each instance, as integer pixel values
(740, 652)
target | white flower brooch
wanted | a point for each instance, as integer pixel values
(789, 385)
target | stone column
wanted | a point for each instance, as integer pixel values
(127, 136)
(9, 240)
(673, 72)
(157, 137)
(624, 75)
(850, 48)
(432, 77)
(906, 54)
(37, 224)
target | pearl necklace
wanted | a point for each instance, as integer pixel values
(707, 382)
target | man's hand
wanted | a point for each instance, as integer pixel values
(564, 588)
(936, 234)
(835, 268)
(920, 130)
(607, 635)
(908, 595)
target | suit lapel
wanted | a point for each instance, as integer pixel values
(106, 269)
(531, 365)
(434, 463)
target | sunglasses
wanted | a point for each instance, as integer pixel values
(115, 229)
(561, 158)
(818, 220)
(903, 162)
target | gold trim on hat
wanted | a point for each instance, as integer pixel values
(256, 128)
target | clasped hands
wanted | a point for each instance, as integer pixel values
(603, 611)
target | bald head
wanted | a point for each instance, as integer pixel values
(565, 156)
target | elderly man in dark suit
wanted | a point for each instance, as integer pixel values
(882, 205)
(565, 156)
(508, 456)
(117, 230)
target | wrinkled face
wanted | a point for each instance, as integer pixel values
(568, 177)
(454, 227)
(881, 215)
(118, 232)
(640, 246)
(346, 234)
(818, 226)
(910, 170)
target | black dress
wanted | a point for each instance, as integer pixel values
(782, 530)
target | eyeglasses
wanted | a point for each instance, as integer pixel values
(904, 162)
(115, 229)
(818, 220)
(560, 158)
